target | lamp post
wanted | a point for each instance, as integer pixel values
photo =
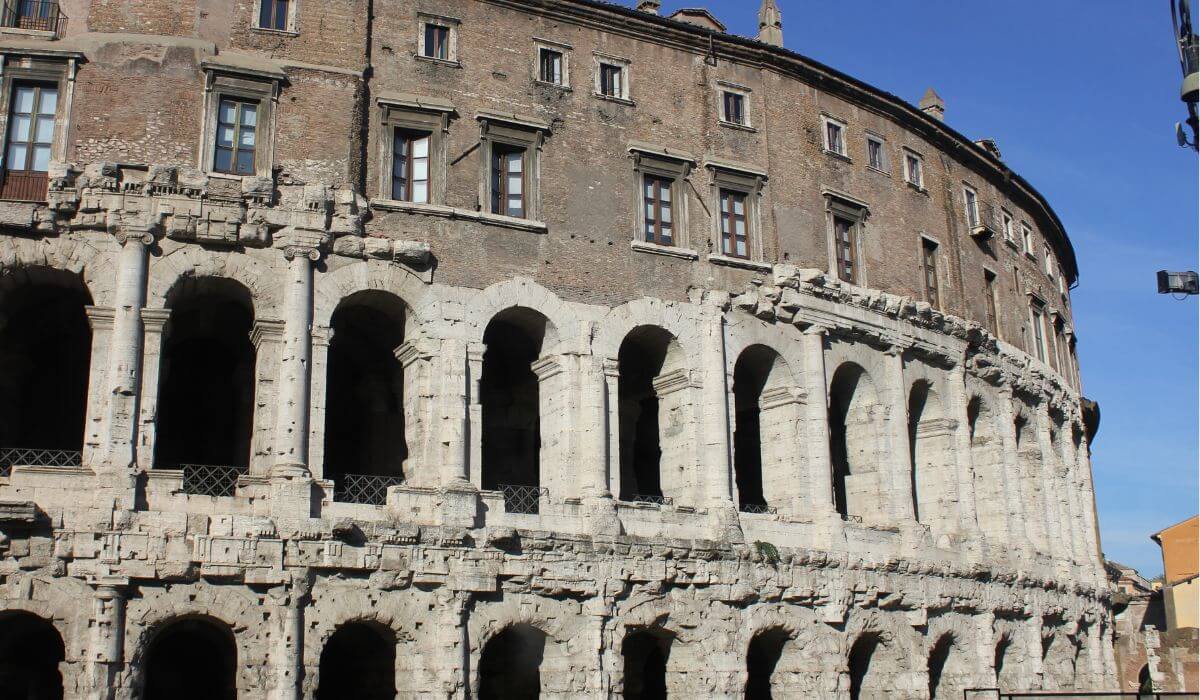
(1188, 45)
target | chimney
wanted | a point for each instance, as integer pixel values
(650, 6)
(933, 105)
(770, 24)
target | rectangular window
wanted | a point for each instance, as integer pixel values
(508, 181)
(1049, 263)
(971, 207)
(734, 241)
(912, 170)
(929, 267)
(989, 290)
(1027, 238)
(611, 80)
(1039, 332)
(735, 108)
(835, 137)
(437, 41)
(30, 140)
(237, 135)
(1008, 225)
(843, 241)
(660, 217)
(410, 167)
(875, 153)
(273, 14)
(550, 66)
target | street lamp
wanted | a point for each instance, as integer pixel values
(1188, 46)
(1185, 283)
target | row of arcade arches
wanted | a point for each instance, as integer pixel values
(207, 377)
(196, 658)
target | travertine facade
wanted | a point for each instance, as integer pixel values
(285, 432)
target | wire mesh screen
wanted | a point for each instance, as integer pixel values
(33, 457)
(653, 499)
(364, 488)
(522, 499)
(758, 508)
(210, 479)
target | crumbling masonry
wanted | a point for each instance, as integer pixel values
(497, 348)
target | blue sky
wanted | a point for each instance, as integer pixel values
(1082, 98)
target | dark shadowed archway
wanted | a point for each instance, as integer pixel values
(646, 355)
(854, 426)
(510, 664)
(761, 658)
(191, 659)
(358, 661)
(645, 654)
(31, 650)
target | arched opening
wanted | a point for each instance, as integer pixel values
(862, 678)
(854, 415)
(764, 436)
(1006, 673)
(31, 650)
(1145, 682)
(987, 461)
(206, 385)
(365, 441)
(650, 422)
(191, 659)
(1029, 460)
(1060, 656)
(939, 655)
(45, 360)
(931, 459)
(645, 653)
(766, 648)
(510, 664)
(358, 661)
(510, 400)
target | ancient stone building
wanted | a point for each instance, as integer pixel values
(482, 348)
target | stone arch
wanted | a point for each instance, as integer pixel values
(856, 417)
(206, 389)
(522, 293)
(987, 462)
(191, 657)
(45, 364)
(523, 625)
(358, 661)
(646, 672)
(32, 653)
(1005, 670)
(932, 460)
(365, 399)
(882, 655)
(810, 651)
(763, 655)
(766, 428)
(949, 669)
(93, 265)
(510, 663)
(1060, 659)
(250, 270)
(1031, 477)
(332, 288)
(655, 417)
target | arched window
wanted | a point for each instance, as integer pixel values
(863, 675)
(206, 386)
(765, 424)
(510, 664)
(931, 440)
(766, 648)
(987, 461)
(652, 426)
(854, 416)
(358, 661)
(511, 405)
(365, 440)
(645, 653)
(45, 359)
(191, 659)
(31, 650)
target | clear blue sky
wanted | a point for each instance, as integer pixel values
(1082, 98)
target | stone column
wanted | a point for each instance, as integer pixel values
(321, 337)
(1017, 534)
(472, 468)
(956, 410)
(291, 421)
(125, 352)
(1091, 531)
(107, 644)
(267, 339)
(715, 456)
(1051, 487)
(593, 421)
(458, 441)
(155, 327)
(289, 645)
(898, 482)
(611, 369)
(95, 439)
(817, 468)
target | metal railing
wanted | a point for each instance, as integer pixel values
(37, 457)
(366, 489)
(758, 508)
(522, 499)
(210, 479)
(996, 694)
(38, 15)
(652, 499)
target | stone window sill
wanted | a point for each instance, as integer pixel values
(736, 126)
(555, 86)
(31, 33)
(511, 222)
(742, 263)
(449, 63)
(611, 98)
(669, 251)
(275, 32)
(1031, 256)
(878, 171)
(917, 188)
(1012, 243)
(445, 212)
(837, 156)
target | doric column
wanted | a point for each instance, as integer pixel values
(898, 482)
(107, 643)
(291, 421)
(1017, 534)
(714, 424)
(321, 337)
(595, 452)
(267, 338)
(452, 357)
(817, 467)
(155, 326)
(611, 369)
(458, 447)
(95, 439)
(956, 409)
(125, 350)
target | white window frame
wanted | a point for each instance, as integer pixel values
(1027, 238)
(292, 22)
(826, 121)
(919, 182)
(223, 81)
(742, 91)
(413, 113)
(857, 212)
(563, 50)
(451, 24)
(922, 240)
(602, 59)
(1037, 322)
(513, 132)
(659, 162)
(971, 206)
(35, 69)
(749, 182)
(884, 166)
(1009, 223)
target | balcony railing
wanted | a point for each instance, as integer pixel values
(364, 488)
(38, 15)
(522, 499)
(210, 479)
(652, 499)
(35, 457)
(24, 185)
(758, 508)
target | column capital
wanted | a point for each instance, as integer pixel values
(291, 252)
(100, 317)
(266, 330)
(817, 329)
(155, 320)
